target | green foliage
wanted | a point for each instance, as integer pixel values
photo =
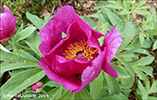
(35, 20)
(31, 76)
(113, 86)
(96, 85)
(33, 42)
(114, 19)
(155, 45)
(20, 7)
(133, 61)
(135, 42)
(24, 33)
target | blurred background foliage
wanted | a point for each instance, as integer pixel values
(135, 61)
(20, 7)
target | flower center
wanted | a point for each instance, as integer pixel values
(79, 50)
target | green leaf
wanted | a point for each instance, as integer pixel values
(89, 20)
(130, 70)
(142, 51)
(129, 53)
(35, 20)
(27, 94)
(133, 6)
(102, 26)
(135, 44)
(126, 5)
(96, 85)
(124, 12)
(95, 15)
(141, 2)
(66, 96)
(147, 69)
(59, 93)
(6, 66)
(86, 95)
(16, 71)
(113, 86)
(3, 48)
(142, 90)
(126, 92)
(119, 96)
(103, 93)
(11, 57)
(155, 45)
(143, 77)
(33, 41)
(127, 35)
(114, 19)
(143, 12)
(152, 98)
(25, 54)
(113, 6)
(143, 61)
(145, 7)
(141, 37)
(20, 28)
(148, 20)
(153, 88)
(53, 84)
(117, 3)
(149, 27)
(55, 93)
(104, 23)
(147, 43)
(20, 81)
(77, 96)
(47, 18)
(100, 5)
(137, 95)
(121, 71)
(64, 35)
(101, 40)
(24, 33)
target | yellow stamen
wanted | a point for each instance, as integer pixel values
(73, 51)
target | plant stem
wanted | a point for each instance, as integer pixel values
(23, 46)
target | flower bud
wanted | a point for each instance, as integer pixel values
(37, 86)
(7, 24)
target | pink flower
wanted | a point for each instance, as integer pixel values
(77, 59)
(7, 24)
(37, 86)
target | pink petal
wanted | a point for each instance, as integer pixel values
(7, 10)
(110, 70)
(94, 32)
(51, 33)
(112, 42)
(91, 72)
(49, 36)
(75, 33)
(67, 67)
(87, 75)
(66, 20)
(60, 47)
(64, 17)
(70, 82)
